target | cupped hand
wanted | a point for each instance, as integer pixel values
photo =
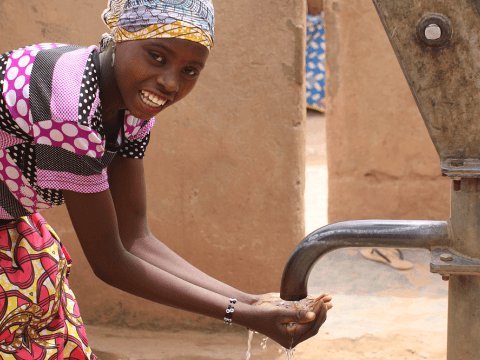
(273, 299)
(290, 323)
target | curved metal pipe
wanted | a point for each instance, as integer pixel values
(357, 233)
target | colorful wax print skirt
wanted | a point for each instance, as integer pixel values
(39, 316)
(315, 66)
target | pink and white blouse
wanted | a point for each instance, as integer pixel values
(51, 134)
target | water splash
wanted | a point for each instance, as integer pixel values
(263, 344)
(250, 337)
(289, 353)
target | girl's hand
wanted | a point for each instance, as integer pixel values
(287, 322)
(288, 326)
(273, 299)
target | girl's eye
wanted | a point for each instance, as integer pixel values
(157, 57)
(190, 72)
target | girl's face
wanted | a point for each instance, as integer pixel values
(153, 74)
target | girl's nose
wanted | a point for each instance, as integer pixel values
(170, 81)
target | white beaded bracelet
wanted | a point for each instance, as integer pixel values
(229, 312)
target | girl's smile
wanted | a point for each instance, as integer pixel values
(152, 102)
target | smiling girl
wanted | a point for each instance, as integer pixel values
(74, 126)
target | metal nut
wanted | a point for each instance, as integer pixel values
(433, 32)
(442, 29)
(446, 257)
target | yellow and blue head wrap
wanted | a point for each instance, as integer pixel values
(144, 19)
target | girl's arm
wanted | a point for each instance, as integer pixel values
(95, 222)
(126, 176)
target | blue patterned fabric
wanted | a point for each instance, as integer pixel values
(139, 14)
(315, 66)
(143, 19)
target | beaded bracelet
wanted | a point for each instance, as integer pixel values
(229, 312)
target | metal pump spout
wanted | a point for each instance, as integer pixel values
(358, 233)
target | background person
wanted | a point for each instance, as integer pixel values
(315, 57)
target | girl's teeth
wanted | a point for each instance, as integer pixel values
(150, 103)
(152, 100)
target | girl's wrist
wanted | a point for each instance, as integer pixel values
(241, 296)
(246, 298)
(245, 315)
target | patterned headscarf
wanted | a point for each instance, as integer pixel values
(144, 19)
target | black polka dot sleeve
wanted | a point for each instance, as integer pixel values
(134, 149)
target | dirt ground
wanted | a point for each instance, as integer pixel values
(379, 312)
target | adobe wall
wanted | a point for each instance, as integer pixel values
(225, 167)
(381, 161)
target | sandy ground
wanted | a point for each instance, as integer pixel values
(379, 312)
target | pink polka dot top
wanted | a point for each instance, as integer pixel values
(51, 134)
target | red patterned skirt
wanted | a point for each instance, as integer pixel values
(39, 316)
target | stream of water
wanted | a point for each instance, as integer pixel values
(249, 346)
